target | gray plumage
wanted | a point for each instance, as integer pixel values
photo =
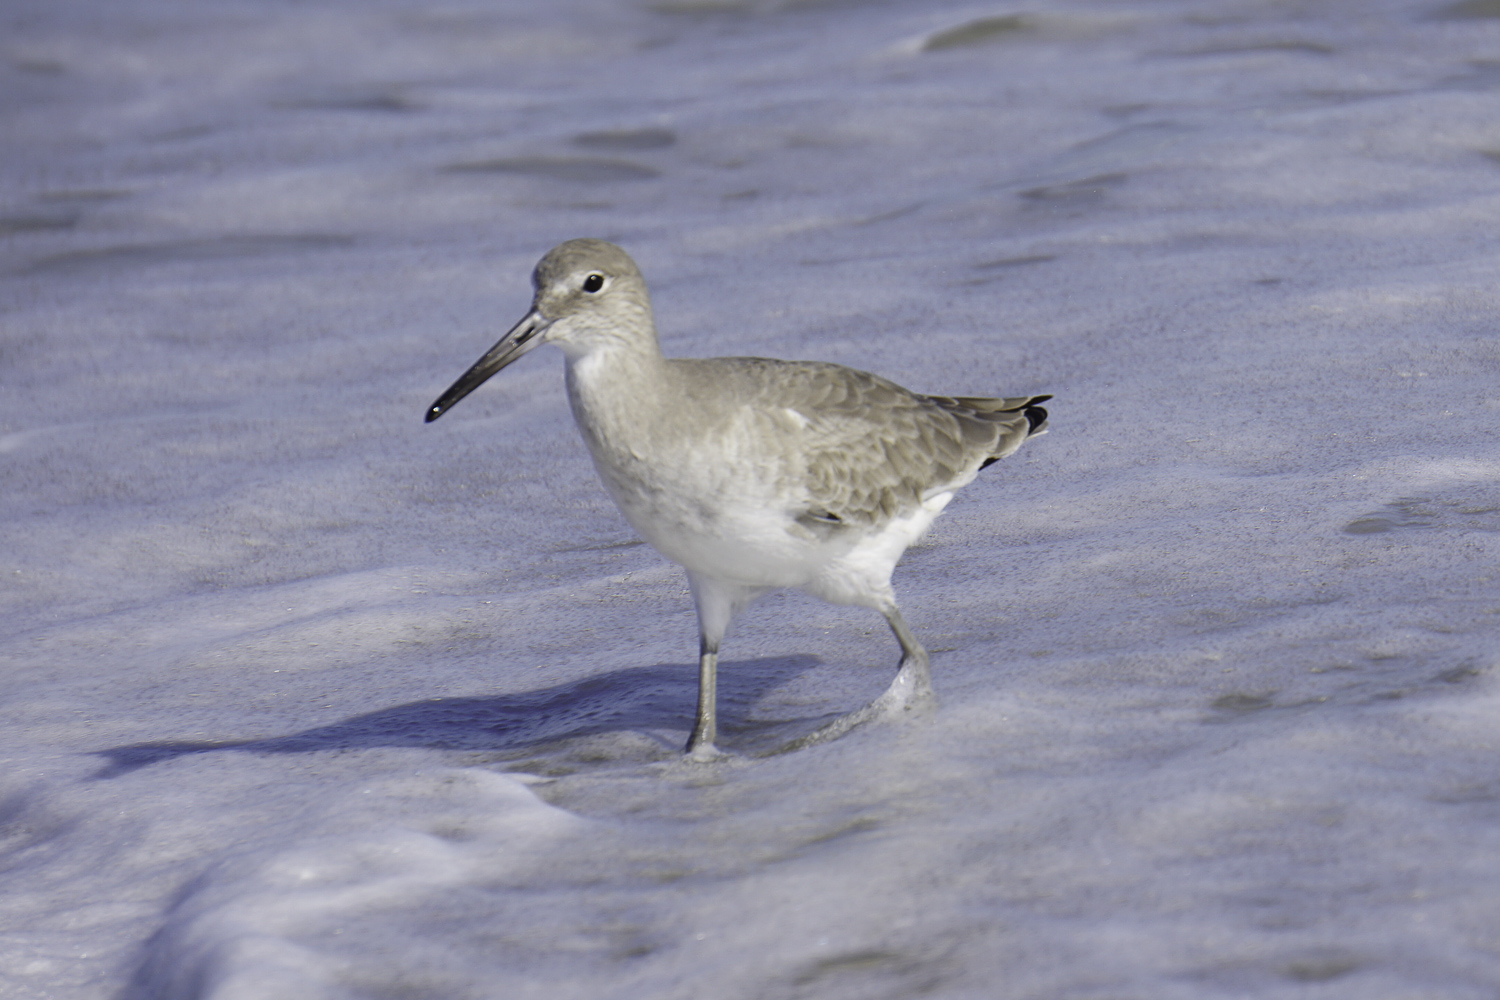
(754, 473)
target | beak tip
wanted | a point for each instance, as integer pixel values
(521, 338)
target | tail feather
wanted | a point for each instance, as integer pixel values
(1036, 418)
(1003, 411)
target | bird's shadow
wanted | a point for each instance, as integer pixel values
(639, 699)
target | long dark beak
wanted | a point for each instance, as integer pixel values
(521, 338)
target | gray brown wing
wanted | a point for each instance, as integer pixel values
(870, 449)
(1018, 417)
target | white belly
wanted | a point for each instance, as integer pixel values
(725, 496)
(754, 540)
(862, 576)
(745, 534)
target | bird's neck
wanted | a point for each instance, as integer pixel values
(616, 390)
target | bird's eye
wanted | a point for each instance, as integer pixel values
(593, 283)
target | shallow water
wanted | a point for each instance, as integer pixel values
(304, 698)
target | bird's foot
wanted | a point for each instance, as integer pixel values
(702, 751)
(831, 731)
(910, 692)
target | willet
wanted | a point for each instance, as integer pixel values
(754, 474)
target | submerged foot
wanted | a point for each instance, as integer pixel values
(703, 752)
(911, 691)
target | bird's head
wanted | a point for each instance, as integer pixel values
(589, 296)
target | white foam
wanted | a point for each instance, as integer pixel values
(1215, 657)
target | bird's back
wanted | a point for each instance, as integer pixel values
(856, 448)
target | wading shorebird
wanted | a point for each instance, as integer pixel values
(754, 474)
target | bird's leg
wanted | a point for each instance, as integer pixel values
(913, 683)
(706, 729)
(716, 601)
(911, 689)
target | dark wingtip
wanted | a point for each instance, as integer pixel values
(1035, 417)
(433, 412)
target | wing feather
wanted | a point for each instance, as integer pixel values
(866, 450)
